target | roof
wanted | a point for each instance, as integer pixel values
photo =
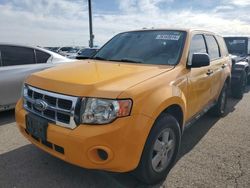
(174, 29)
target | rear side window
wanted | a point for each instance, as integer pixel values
(0, 59)
(42, 57)
(223, 47)
(15, 55)
(213, 48)
(197, 46)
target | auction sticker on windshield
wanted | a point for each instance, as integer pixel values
(168, 37)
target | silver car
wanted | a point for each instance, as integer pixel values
(16, 63)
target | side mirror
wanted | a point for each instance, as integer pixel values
(200, 60)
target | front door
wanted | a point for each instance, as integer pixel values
(199, 80)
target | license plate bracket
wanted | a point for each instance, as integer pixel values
(37, 126)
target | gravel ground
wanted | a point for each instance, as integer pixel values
(214, 153)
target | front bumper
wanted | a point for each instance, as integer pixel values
(123, 140)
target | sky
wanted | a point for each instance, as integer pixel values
(65, 22)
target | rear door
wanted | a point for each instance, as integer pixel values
(17, 64)
(218, 63)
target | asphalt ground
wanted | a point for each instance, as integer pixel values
(214, 153)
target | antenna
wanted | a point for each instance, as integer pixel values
(91, 35)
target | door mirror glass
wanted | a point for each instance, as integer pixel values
(200, 60)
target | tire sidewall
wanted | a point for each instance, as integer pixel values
(147, 172)
(224, 90)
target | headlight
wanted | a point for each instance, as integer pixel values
(103, 111)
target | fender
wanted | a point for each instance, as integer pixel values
(165, 101)
(241, 65)
(237, 71)
(152, 104)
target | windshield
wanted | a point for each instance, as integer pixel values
(146, 47)
(236, 46)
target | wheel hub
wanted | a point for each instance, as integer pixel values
(163, 150)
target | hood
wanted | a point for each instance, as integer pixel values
(94, 78)
(236, 59)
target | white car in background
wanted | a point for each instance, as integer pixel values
(69, 52)
(16, 63)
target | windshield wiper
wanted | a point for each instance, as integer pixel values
(127, 60)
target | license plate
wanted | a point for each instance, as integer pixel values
(37, 126)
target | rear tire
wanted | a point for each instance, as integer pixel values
(219, 109)
(239, 88)
(160, 150)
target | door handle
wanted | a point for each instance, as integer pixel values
(209, 72)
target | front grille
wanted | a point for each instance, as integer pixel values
(57, 108)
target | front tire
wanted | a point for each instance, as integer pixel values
(160, 150)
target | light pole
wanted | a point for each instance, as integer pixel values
(91, 35)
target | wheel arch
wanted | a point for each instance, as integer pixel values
(176, 111)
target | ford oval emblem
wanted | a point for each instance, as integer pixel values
(40, 105)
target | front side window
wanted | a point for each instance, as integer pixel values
(15, 55)
(145, 47)
(213, 48)
(197, 46)
(236, 45)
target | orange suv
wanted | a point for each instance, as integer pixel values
(126, 108)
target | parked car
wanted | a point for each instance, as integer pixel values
(53, 49)
(126, 109)
(86, 53)
(239, 47)
(69, 52)
(16, 63)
